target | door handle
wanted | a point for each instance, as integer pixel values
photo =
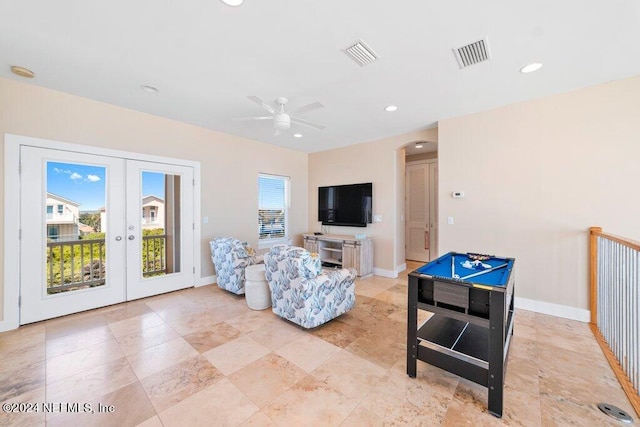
(118, 238)
(132, 237)
(426, 240)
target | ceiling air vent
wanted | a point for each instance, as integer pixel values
(473, 53)
(360, 53)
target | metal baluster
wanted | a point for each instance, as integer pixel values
(625, 317)
(636, 323)
(609, 291)
(602, 295)
(616, 332)
(613, 297)
(623, 306)
(602, 292)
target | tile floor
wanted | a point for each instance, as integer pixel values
(201, 357)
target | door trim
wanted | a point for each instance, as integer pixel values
(11, 292)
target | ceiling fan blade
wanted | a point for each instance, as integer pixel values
(245, 119)
(261, 103)
(309, 107)
(306, 123)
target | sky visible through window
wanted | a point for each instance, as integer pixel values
(86, 184)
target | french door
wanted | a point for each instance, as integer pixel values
(98, 230)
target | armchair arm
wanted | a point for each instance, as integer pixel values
(333, 278)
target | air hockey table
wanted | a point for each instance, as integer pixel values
(471, 297)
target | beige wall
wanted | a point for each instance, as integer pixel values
(536, 176)
(230, 164)
(382, 163)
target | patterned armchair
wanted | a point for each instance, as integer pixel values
(304, 294)
(230, 257)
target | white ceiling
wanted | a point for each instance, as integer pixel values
(206, 57)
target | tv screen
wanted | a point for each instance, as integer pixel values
(346, 205)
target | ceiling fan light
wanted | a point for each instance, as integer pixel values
(281, 121)
(297, 135)
(232, 2)
(390, 108)
(419, 145)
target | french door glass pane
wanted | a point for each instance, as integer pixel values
(75, 230)
(160, 224)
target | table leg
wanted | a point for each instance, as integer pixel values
(496, 352)
(412, 327)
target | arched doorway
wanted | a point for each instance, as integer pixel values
(421, 201)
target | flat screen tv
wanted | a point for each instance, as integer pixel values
(346, 205)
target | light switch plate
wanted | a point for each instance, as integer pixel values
(377, 218)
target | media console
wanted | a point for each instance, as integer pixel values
(342, 251)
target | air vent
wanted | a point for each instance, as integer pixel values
(360, 53)
(473, 53)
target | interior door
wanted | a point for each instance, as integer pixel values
(417, 212)
(68, 266)
(160, 226)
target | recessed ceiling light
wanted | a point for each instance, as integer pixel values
(390, 108)
(149, 89)
(297, 135)
(419, 145)
(232, 2)
(531, 67)
(22, 72)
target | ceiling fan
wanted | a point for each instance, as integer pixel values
(281, 120)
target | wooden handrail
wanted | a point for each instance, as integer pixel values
(633, 244)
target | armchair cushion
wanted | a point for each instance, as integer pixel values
(302, 292)
(230, 257)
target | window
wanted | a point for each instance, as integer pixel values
(273, 203)
(52, 232)
(60, 209)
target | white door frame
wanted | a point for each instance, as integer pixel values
(12, 143)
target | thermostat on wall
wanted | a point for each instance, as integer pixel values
(457, 194)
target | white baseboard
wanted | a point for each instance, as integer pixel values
(8, 325)
(564, 311)
(400, 268)
(385, 273)
(205, 281)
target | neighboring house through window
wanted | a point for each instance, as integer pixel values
(273, 205)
